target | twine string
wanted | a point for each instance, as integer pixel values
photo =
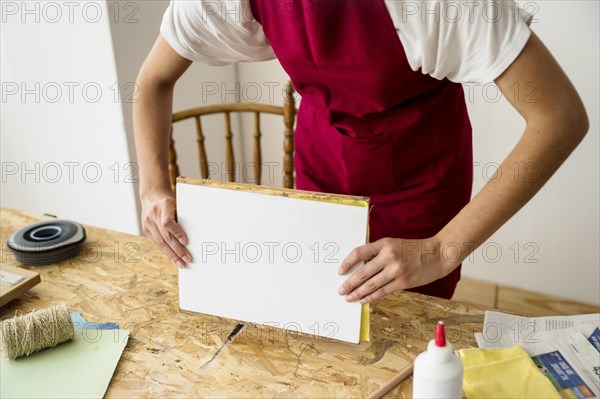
(28, 334)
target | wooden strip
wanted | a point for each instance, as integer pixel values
(234, 107)
(201, 149)
(285, 192)
(229, 156)
(401, 376)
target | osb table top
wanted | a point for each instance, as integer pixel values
(126, 279)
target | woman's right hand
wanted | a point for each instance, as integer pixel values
(159, 224)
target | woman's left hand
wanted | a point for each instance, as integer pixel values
(393, 264)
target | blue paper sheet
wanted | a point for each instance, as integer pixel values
(79, 323)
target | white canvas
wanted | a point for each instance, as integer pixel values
(269, 259)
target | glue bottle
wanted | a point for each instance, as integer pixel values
(438, 372)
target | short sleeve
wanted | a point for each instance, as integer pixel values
(466, 42)
(215, 32)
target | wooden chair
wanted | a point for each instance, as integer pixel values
(288, 111)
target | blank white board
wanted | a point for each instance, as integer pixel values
(269, 259)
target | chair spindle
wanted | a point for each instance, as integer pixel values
(289, 115)
(173, 168)
(257, 150)
(201, 149)
(229, 156)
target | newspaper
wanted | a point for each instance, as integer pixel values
(565, 348)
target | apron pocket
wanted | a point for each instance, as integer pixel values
(366, 163)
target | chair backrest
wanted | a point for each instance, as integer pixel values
(288, 111)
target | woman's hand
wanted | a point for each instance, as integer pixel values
(152, 113)
(160, 225)
(393, 264)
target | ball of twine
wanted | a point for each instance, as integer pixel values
(24, 335)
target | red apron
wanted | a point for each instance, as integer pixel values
(368, 124)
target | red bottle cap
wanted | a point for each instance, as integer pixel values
(440, 335)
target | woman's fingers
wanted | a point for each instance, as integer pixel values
(173, 234)
(158, 238)
(360, 276)
(169, 221)
(183, 255)
(398, 265)
(173, 227)
(161, 226)
(358, 254)
(364, 287)
(380, 292)
(372, 280)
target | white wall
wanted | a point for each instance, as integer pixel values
(133, 33)
(559, 228)
(264, 82)
(102, 44)
(562, 222)
(47, 129)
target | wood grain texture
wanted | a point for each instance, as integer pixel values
(516, 300)
(477, 292)
(535, 304)
(126, 279)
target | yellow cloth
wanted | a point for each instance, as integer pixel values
(503, 373)
(365, 323)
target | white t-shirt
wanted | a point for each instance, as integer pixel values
(471, 41)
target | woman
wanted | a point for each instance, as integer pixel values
(383, 115)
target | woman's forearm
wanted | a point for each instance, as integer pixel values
(152, 115)
(556, 124)
(539, 153)
(152, 126)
